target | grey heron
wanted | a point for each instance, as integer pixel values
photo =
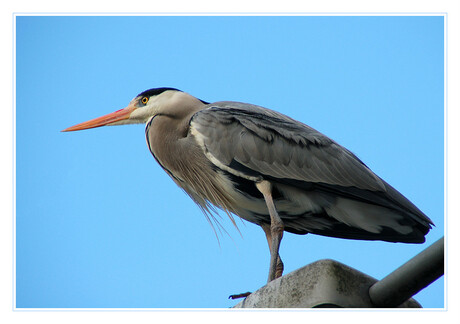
(268, 169)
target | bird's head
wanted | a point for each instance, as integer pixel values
(152, 102)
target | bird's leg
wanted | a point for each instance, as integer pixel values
(276, 228)
(279, 262)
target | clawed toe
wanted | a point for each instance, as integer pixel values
(243, 295)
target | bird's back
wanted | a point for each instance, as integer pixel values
(319, 186)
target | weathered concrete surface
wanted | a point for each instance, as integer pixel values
(325, 283)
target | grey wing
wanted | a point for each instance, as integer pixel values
(255, 140)
(257, 143)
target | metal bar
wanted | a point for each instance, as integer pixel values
(410, 278)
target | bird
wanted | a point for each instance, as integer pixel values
(268, 169)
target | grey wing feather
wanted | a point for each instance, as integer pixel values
(266, 142)
(257, 143)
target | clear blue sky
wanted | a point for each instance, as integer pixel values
(99, 223)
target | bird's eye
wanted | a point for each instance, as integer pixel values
(144, 100)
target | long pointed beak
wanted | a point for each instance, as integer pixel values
(103, 120)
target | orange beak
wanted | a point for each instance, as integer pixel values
(104, 120)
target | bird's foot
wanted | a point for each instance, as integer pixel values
(243, 295)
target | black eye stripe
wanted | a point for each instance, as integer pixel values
(155, 91)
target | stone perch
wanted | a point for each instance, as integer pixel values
(325, 283)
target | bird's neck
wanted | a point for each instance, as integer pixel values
(165, 136)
